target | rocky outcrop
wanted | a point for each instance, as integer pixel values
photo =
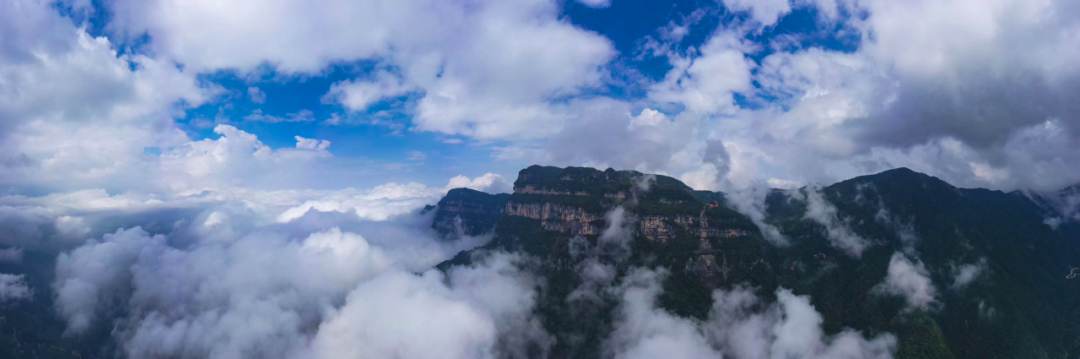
(663, 228)
(541, 191)
(554, 217)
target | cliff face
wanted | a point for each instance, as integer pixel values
(554, 217)
(550, 206)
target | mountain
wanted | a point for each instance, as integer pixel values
(979, 273)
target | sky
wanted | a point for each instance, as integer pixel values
(115, 95)
(168, 151)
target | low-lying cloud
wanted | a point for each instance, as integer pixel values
(837, 230)
(910, 280)
(739, 325)
(267, 293)
(965, 274)
(751, 203)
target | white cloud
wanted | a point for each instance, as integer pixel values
(596, 3)
(642, 330)
(837, 230)
(489, 182)
(92, 275)
(311, 144)
(388, 317)
(391, 199)
(604, 133)
(751, 203)
(198, 289)
(766, 12)
(358, 95)
(616, 237)
(739, 326)
(379, 203)
(73, 110)
(789, 328)
(965, 274)
(416, 156)
(708, 83)
(925, 89)
(13, 288)
(256, 95)
(481, 311)
(442, 50)
(909, 280)
(234, 159)
(300, 116)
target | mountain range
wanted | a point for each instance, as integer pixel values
(948, 272)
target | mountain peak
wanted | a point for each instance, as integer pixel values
(585, 179)
(900, 176)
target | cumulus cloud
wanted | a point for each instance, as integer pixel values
(839, 233)
(739, 326)
(358, 95)
(600, 137)
(442, 51)
(927, 90)
(606, 133)
(233, 159)
(910, 280)
(73, 110)
(708, 83)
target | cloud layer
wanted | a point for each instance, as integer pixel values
(229, 285)
(739, 326)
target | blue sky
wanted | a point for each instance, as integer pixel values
(720, 93)
(628, 25)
